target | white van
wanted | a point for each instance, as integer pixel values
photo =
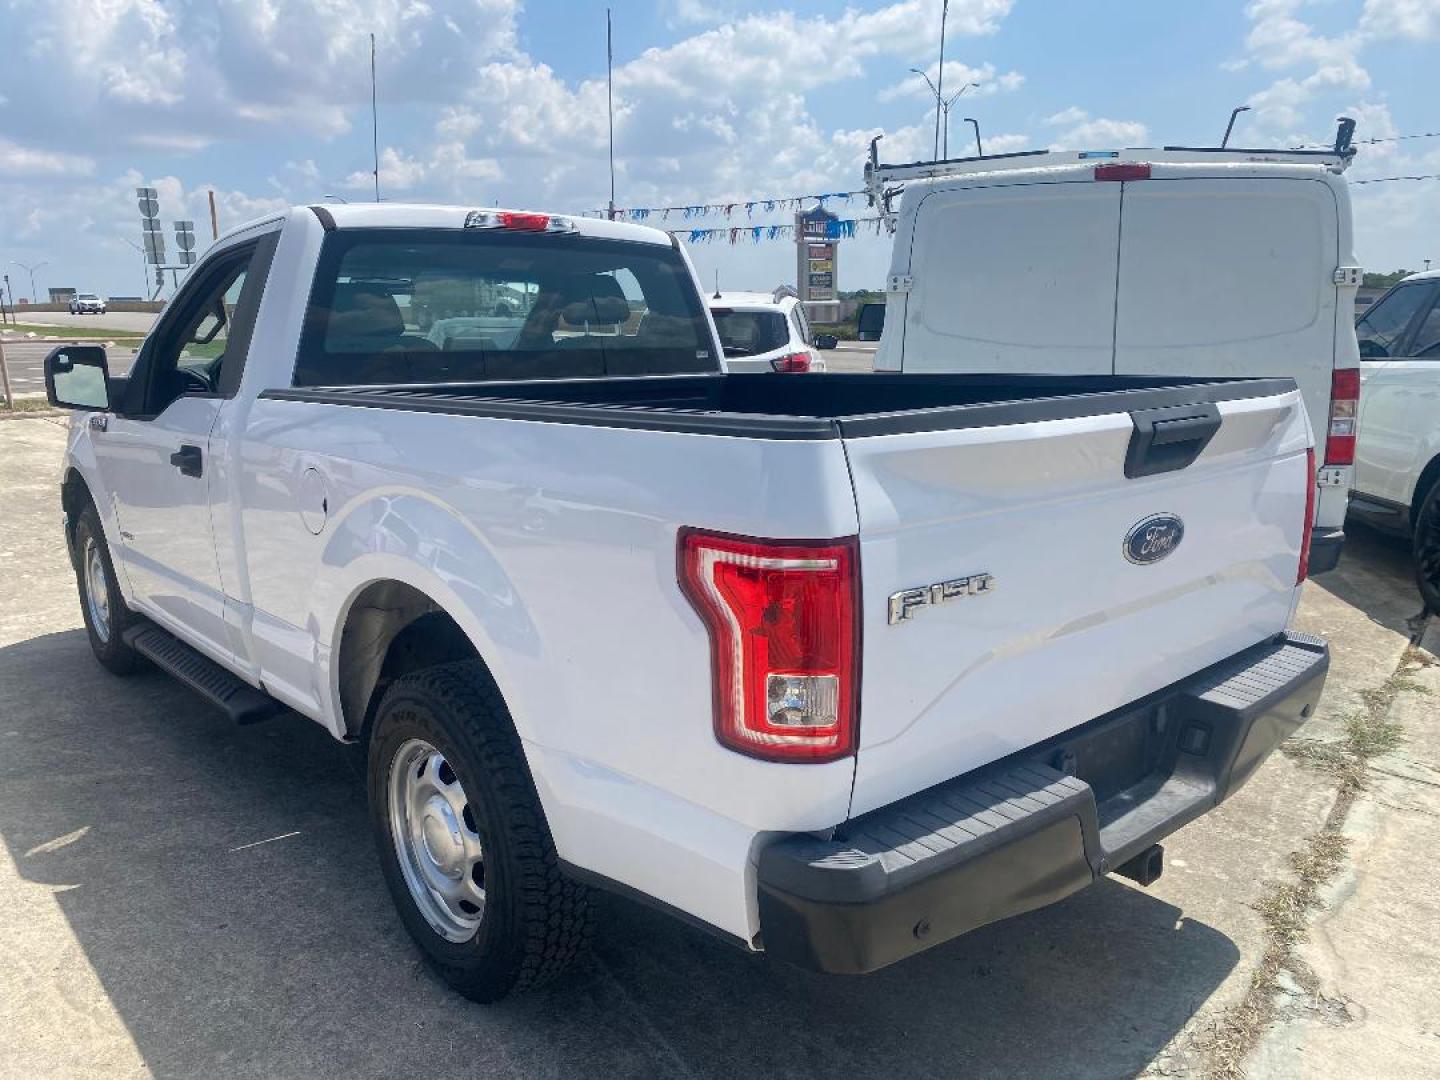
(1135, 262)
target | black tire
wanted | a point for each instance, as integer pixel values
(1426, 546)
(105, 641)
(535, 920)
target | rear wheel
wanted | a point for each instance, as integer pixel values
(1426, 542)
(106, 615)
(463, 842)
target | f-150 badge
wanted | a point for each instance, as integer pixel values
(906, 602)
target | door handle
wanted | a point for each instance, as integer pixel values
(188, 460)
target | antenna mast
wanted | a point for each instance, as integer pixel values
(610, 105)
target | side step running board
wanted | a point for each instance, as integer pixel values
(238, 700)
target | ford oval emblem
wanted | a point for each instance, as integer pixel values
(1153, 538)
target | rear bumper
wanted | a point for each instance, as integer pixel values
(1325, 548)
(1022, 833)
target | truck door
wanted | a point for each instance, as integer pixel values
(154, 454)
(1013, 278)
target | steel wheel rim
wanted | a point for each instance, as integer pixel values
(97, 591)
(436, 841)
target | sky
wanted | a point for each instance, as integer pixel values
(502, 102)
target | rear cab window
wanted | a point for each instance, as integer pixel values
(398, 306)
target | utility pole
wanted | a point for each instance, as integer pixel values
(31, 270)
(214, 219)
(610, 103)
(374, 121)
(940, 80)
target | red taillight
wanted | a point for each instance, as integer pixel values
(1344, 407)
(1122, 172)
(511, 219)
(784, 641)
(1304, 571)
(795, 363)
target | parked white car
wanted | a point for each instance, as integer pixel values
(1397, 459)
(87, 304)
(764, 331)
(1135, 262)
(836, 667)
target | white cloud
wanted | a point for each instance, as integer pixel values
(1083, 131)
(24, 161)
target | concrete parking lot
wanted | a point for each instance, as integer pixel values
(183, 898)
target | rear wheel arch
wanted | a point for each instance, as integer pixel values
(390, 629)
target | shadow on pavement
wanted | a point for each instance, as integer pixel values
(286, 959)
(1376, 575)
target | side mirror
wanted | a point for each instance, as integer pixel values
(78, 377)
(825, 341)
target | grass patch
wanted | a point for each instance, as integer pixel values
(26, 405)
(1286, 906)
(76, 333)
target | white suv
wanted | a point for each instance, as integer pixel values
(764, 331)
(1397, 457)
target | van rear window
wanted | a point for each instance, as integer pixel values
(398, 306)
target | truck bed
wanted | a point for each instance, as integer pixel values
(818, 406)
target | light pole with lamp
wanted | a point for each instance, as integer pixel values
(144, 267)
(945, 144)
(942, 110)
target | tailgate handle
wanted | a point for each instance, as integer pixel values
(1167, 440)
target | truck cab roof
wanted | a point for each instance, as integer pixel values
(388, 215)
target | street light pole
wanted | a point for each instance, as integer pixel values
(945, 145)
(31, 271)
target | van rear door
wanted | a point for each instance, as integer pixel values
(1012, 276)
(1231, 276)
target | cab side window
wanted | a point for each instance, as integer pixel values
(199, 346)
(1382, 329)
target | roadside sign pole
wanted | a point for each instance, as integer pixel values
(5, 379)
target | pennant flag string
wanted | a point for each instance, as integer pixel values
(839, 229)
(728, 209)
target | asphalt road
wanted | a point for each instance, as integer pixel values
(185, 898)
(25, 360)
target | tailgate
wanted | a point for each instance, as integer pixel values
(1017, 582)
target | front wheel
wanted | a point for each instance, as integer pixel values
(1426, 545)
(463, 842)
(101, 604)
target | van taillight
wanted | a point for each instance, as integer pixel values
(794, 363)
(1344, 407)
(784, 641)
(1309, 530)
(1122, 172)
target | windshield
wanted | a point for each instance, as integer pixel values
(393, 306)
(746, 333)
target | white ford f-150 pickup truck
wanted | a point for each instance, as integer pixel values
(837, 667)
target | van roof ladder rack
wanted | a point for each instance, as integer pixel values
(884, 182)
